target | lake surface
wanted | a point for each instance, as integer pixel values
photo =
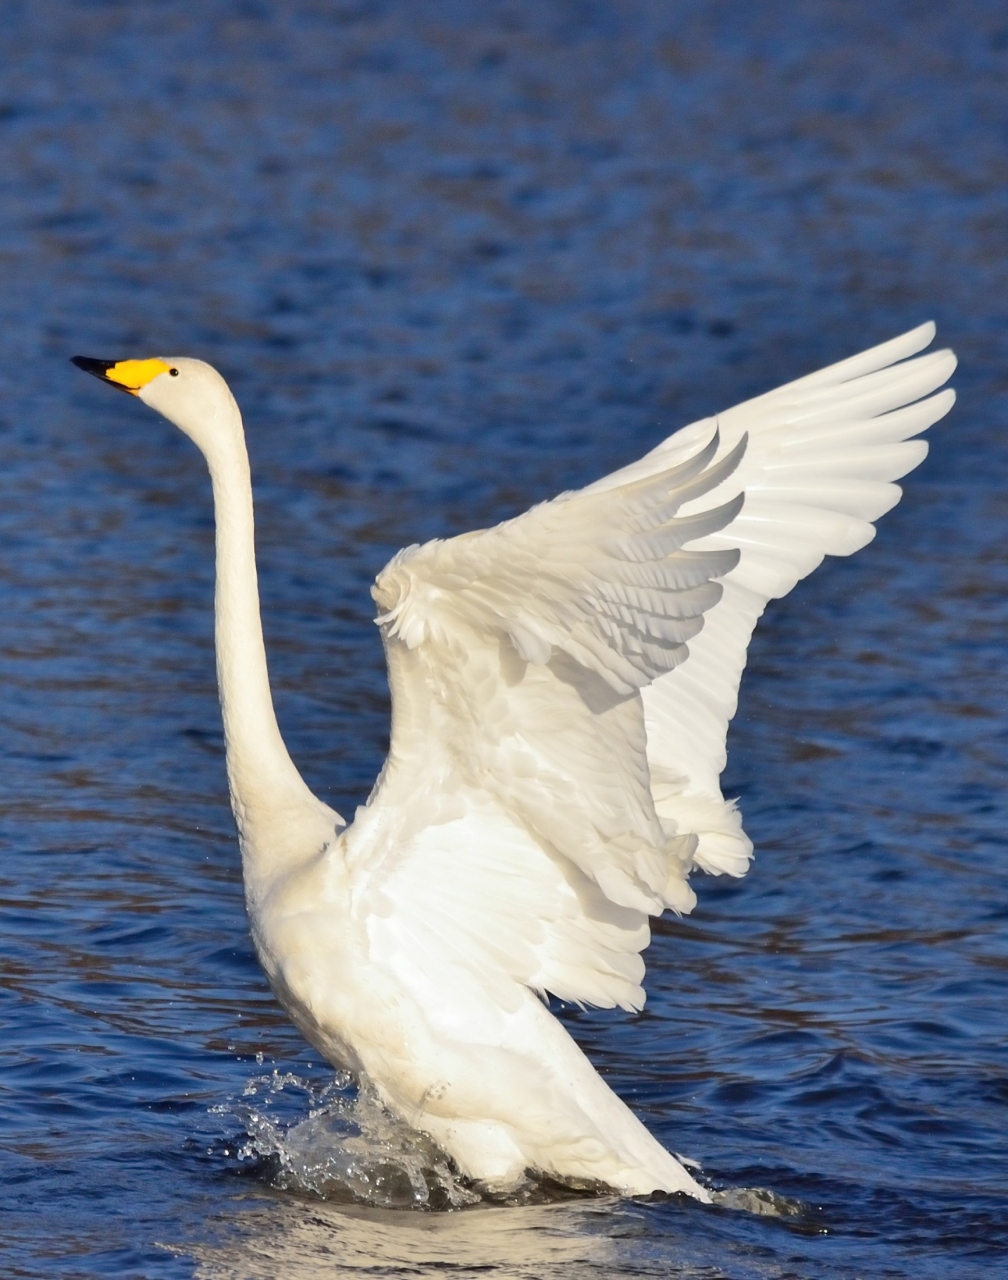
(452, 259)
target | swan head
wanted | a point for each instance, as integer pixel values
(189, 393)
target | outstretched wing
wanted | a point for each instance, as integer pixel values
(822, 458)
(552, 775)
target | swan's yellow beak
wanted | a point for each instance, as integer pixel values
(127, 375)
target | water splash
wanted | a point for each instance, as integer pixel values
(348, 1149)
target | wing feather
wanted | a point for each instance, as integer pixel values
(824, 453)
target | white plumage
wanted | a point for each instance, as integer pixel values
(561, 690)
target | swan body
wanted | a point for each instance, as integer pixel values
(561, 690)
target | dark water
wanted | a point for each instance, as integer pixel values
(454, 257)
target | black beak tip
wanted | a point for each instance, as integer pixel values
(97, 367)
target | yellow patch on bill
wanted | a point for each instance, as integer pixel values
(135, 374)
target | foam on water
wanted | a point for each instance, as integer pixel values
(762, 1201)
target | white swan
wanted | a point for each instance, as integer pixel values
(561, 690)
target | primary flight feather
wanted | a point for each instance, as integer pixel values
(561, 691)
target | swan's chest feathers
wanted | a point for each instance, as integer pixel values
(301, 930)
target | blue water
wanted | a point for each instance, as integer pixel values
(453, 258)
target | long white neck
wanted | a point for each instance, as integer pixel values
(280, 823)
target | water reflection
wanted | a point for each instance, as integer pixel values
(263, 1238)
(297, 1241)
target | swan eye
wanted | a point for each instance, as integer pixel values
(173, 372)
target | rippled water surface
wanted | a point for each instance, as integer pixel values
(452, 258)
